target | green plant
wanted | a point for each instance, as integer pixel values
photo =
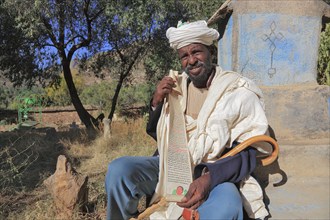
(15, 164)
(98, 94)
(323, 67)
(134, 99)
(20, 93)
(6, 96)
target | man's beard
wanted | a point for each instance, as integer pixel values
(201, 79)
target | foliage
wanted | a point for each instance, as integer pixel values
(202, 9)
(160, 60)
(134, 100)
(127, 30)
(323, 67)
(9, 96)
(130, 29)
(6, 96)
(16, 57)
(98, 94)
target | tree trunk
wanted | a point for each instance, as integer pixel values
(83, 114)
(115, 98)
(123, 75)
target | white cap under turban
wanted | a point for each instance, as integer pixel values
(188, 33)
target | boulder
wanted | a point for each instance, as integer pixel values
(68, 189)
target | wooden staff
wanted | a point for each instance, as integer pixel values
(247, 143)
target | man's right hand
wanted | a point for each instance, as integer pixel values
(164, 87)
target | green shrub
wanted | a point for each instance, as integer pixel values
(6, 96)
(323, 67)
(20, 93)
(99, 94)
(133, 100)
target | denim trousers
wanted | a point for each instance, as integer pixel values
(129, 178)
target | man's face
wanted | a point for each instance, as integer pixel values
(196, 62)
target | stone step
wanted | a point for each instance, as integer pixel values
(301, 198)
(297, 185)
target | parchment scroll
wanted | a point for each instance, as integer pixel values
(178, 165)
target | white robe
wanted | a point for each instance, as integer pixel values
(233, 110)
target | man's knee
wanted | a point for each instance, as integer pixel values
(229, 192)
(232, 205)
(117, 169)
(224, 202)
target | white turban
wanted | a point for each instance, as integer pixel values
(188, 33)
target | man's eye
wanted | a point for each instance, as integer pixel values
(184, 58)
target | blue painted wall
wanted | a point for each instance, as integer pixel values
(271, 49)
(225, 47)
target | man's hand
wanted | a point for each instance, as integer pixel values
(197, 193)
(164, 87)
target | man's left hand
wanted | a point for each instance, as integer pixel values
(197, 193)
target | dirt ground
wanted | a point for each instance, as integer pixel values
(27, 156)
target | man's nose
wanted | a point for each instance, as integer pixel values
(192, 60)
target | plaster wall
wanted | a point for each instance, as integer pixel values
(273, 42)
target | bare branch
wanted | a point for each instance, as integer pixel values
(61, 21)
(136, 56)
(86, 41)
(121, 55)
(49, 45)
(97, 14)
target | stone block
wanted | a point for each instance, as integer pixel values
(299, 113)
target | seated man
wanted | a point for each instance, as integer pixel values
(225, 108)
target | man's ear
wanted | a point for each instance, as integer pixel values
(214, 53)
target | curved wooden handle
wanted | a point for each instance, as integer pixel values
(260, 138)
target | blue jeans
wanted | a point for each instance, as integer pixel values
(129, 178)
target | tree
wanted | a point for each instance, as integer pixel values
(131, 30)
(59, 29)
(127, 30)
(136, 31)
(58, 94)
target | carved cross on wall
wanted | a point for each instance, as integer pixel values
(272, 38)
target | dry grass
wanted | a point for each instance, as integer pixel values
(23, 195)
